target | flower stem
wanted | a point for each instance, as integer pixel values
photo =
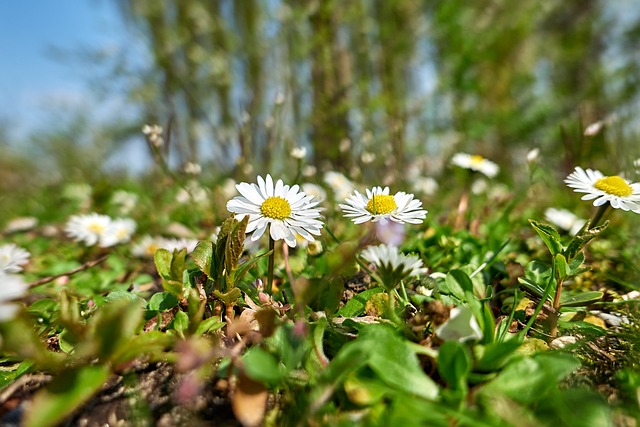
(272, 257)
(463, 205)
(598, 215)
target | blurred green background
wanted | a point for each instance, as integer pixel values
(372, 88)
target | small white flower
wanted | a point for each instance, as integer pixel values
(12, 286)
(340, 184)
(87, 228)
(125, 201)
(461, 326)
(479, 186)
(299, 152)
(392, 265)
(564, 219)
(19, 224)
(475, 163)
(379, 205)
(285, 210)
(425, 185)
(616, 191)
(192, 193)
(192, 168)
(594, 128)
(316, 191)
(147, 246)
(118, 231)
(367, 157)
(12, 258)
(533, 155)
(179, 244)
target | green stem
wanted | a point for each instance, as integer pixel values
(272, 257)
(598, 215)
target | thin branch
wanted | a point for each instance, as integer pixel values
(83, 267)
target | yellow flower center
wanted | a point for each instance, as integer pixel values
(614, 185)
(276, 207)
(475, 159)
(96, 227)
(381, 204)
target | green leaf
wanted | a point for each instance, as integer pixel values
(163, 260)
(493, 356)
(262, 366)
(356, 305)
(181, 323)
(162, 301)
(235, 244)
(245, 266)
(581, 300)
(173, 286)
(562, 267)
(177, 264)
(395, 362)
(582, 238)
(454, 365)
(67, 392)
(458, 283)
(549, 236)
(531, 287)
(111, 328)
(124, 295)
(211, 324)
(530, 379)
(229, 298)
(202, 255)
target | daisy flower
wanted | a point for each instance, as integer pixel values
(564, 219)
(617, 191)
(118, 231)
(286, 210)
(475, 163)
(12, 258)
(147, 246)
(379, 205)
(179, 244)
(12, 286)
(392, 265)
(340, 184)
(87, 228)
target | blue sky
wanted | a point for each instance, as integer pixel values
(32, 81)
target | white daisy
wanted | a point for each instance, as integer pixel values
(12, 286)
(87, 228)
(286, 210)
(179, 244)
(379, 205)
(12, 258)
(118, 231)
(392, 265)
(564, 219)
(147, 246)
(475, 163)
(315, 190)
(340, 184)
(24, 223)
(617, 191)
(461, 326)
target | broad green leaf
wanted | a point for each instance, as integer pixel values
(173, 286)
(530, 379)
(458, 282)
(162, 301)
(395, 362)
(262, 366)
(124, 295)
(202, 255)
(356, 305)
(112, 327)
(581, 300)
(152, 343)
(549, 236)
(454, 365)
(163, 260)
(67, 392)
